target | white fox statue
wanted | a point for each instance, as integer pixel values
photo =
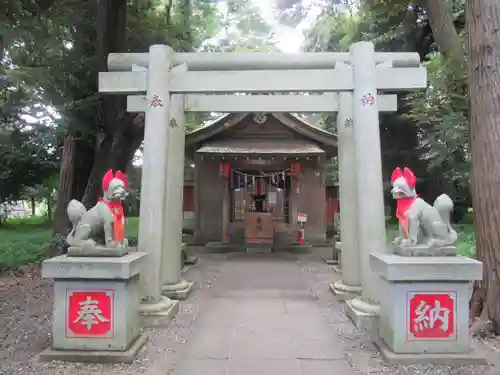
(420, 224)
(103, 224)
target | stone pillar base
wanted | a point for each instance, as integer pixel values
(331, 262)
(443, 359)
(190, 260)
(345, 292)
(179, 291)
(364, 315)
(337, 262)
(331, 256)
(165, 307)
(336, 268)
(95, 356)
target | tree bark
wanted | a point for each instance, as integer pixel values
(442, 24)
(114, 152)
(483, 47)
(49, 208)
(83, 161)
(64, 193)
(76, 162)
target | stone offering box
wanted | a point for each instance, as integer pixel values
(424, 308)
(96, 308)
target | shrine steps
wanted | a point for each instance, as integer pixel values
(218, 247)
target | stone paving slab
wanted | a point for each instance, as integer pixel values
(263, 320)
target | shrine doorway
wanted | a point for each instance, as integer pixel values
(259, 203)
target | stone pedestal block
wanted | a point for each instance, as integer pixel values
(96, 308)
(424, 307)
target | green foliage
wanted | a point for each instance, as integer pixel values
(132, 227)
(441, 112)
(240, 28)
(333, 31)
(24, 163)
(25, 241)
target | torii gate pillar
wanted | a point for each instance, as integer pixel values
(153, 185)
(350, 285)
(371, 236)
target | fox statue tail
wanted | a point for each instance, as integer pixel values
(444, 206)
(75, 213)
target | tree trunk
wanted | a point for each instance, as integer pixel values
(64, 193)
(483, 23)
(445, 35)
(84, 159)
(33, 207)
(114, 152)
(99, 168)
(49, 208)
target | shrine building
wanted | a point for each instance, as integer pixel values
(259, 179)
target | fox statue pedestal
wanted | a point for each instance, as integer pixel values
(96, 308)
(424, 308)
(96, 286)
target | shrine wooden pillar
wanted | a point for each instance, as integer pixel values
(225, 176)
(293, 208)
(196, 198)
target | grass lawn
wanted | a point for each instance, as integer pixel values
(26, 241)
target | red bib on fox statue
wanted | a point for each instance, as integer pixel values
(403, 204)
(115, 207)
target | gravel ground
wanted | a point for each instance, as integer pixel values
(26, 304)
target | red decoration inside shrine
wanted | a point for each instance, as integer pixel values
(295, 171)
(259, 187)
(224, 169)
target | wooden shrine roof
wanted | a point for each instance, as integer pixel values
(319, 136)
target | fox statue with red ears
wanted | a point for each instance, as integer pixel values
(103, 224)
(420, 224)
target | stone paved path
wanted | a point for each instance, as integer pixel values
(263, 320)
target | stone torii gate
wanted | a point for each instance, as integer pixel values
(165, 84)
